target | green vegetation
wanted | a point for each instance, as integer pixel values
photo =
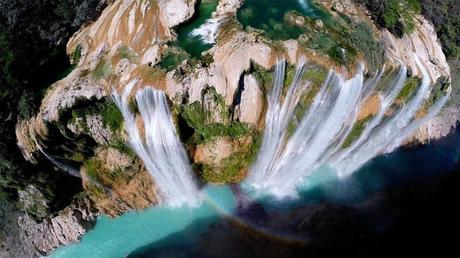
(264, 77)
(331, 39)
(102, 69)
(122, 147)
(315, 75)
(444, 15)
(76, 55)
(232, 168)
(111, 115)
(93, 167)
(126, 52)
(398, 16)
(409, 87)
(356, 131)
(439, 90)
(211, 120)
(363, 40)
(198, 118)
(26, 106)
(32, 57)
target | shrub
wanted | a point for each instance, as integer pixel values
(362, 38)
(395, 15)
(102, 69)
(201, 119)
(26, 106)
(125, 52)
(445, 18)
(111, 115)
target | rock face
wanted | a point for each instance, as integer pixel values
(128, 42)
(117, 184)
(438, 127)
(31, 198)
(99, 132)
(422, 41)
(64, 229)
(251, 106)
(26, 237)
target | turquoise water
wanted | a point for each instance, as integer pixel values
(118, 237)
(160, 228)
(269, 16)
(194, 45)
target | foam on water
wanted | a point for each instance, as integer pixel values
(208, 31)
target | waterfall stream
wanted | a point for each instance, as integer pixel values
(284, 162)
(208, 31)
(161, 151)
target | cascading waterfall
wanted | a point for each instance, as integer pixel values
(386, 101)
(276, 122)
(208, 31)
(162, 152)
(283, 163)
(383, 137)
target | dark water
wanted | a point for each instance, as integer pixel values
(400, 203)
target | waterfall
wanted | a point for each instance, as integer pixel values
(208, 31)
(61, 165)
(386, 133)
(282, 162)
(162, 152)
(276, 122)
(386, 101)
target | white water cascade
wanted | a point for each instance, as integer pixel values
(393, 130)
(162, 152)
(61, 165)
(207, 32)
(283, 162)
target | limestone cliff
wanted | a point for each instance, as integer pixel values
(218, 100)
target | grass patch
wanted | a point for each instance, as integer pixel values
(102, 70)
(409, 87)
(439, 90)
(264, 77)
(196, 116)
(122, 147)
(111, 115)
(76, 55)
(93, 167)
(126, 52)
(398, 16)
(356, 131)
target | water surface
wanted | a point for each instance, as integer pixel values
(269, 16)
(194, 45)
